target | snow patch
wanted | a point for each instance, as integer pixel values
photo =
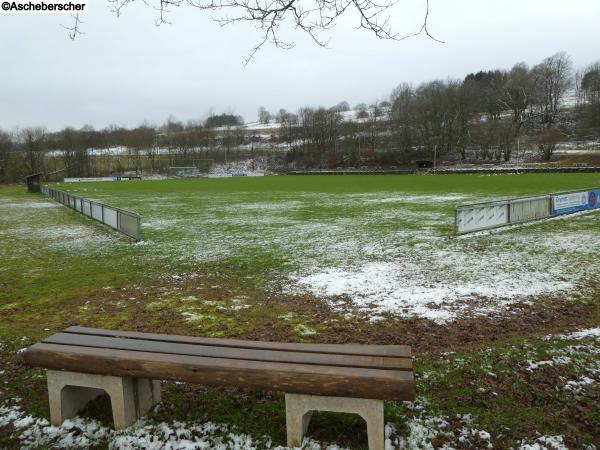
(546, 443)
(582, 334)
(81, 433)
(556, 361)
(578, 386)
(250, 167)
(30, 205)
(404, 289)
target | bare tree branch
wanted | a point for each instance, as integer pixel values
(74, 30)
(313, 17)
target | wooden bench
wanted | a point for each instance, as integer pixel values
(83, 363)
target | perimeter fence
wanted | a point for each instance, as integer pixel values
(488, 215)
(127, 222)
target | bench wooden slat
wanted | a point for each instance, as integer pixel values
(291, 378)
(120, 343)
(398, 351)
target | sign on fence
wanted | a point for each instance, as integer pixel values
(96, 179)
(126, 222)
(484, 216)
(579, 201)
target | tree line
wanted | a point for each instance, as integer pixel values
(493, 115)
(488, 116)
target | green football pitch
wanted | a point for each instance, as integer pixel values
(317, 259)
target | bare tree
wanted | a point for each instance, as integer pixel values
(342, 106)
(519, 94)
(32, 140)
(313, 17)
(553, 76)
(589, 97)
(264, 116)
(547, 142)
(487, 90)
(281, 115)
(74, 29)
(6, 164)
(404, 135)
(361, 111)
(172, 125)
(590, 83)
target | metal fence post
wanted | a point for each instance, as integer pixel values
(456, 221)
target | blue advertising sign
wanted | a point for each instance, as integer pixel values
(575, 202)
(593, 199)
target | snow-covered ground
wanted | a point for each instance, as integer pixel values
(578, 147)
(347, 116)
(583, 355)
(441, 279)
(423, 429)
(249, 167)
(78, 433)
(582, 334)
(386, 252)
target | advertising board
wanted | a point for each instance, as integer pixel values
(575, 202)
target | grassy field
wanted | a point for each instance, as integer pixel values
(367, 259)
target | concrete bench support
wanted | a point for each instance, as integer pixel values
(130, 398)
(299, 408)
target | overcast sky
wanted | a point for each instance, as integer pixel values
(126, 70)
